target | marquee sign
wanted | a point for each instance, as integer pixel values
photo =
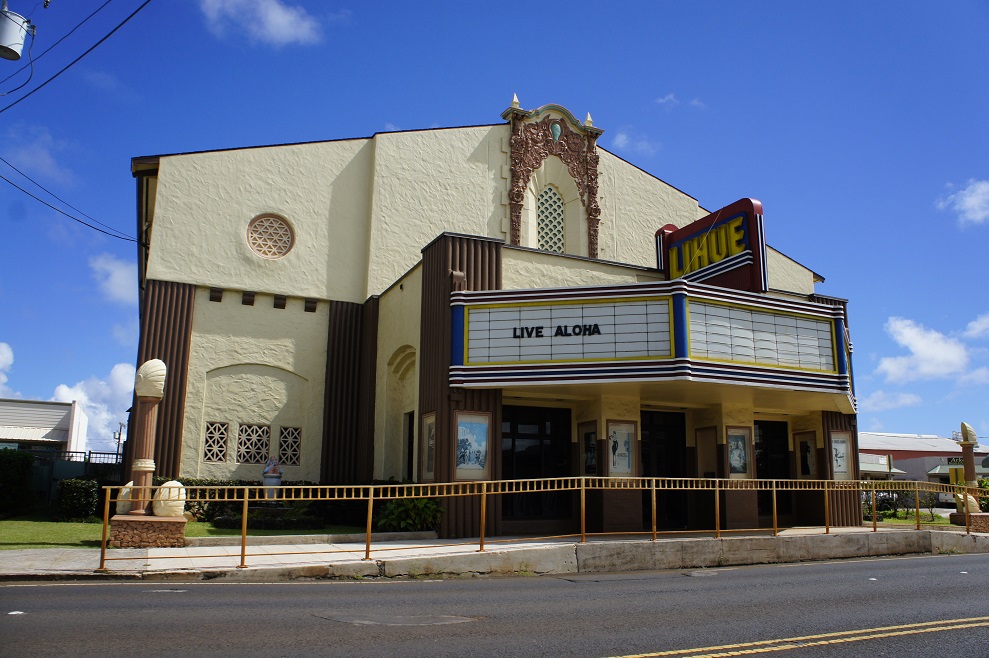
(727, 248)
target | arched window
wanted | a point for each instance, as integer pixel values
(549, 220)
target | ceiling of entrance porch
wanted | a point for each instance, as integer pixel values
(685, 395)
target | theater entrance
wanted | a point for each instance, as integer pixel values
(664, 455)
(536, 443)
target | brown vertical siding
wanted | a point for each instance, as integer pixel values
(846, 507)
(479, 259)
(348, 421)
(166, 334)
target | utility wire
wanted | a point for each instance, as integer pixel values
(72, 217)
(122, 235)
(70, 64)
(64, 37)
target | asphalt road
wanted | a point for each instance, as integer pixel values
(880, 607)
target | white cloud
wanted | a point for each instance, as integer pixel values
(127, 334)
(272, 22)
(978, 327)
(669, 100)
(33, 150)
(932, 354)
(391, 127)
(883, 401)
(971, 203)
(976, 377)
(105, 402)
(117, 279)
(110, 85)
(698, 103)
(6, 361)
(623, 141)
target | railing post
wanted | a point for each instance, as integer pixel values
(243, 533)
(370, 510)
(916, 501)
(874, 529)
(775, 518)
(653, 481)
(583, 510)
(484, 512)
(827, 510)
(717, 511)
(106, 520)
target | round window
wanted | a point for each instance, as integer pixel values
(270, 236)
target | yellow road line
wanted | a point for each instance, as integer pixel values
(838, 637)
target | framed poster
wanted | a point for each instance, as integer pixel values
(427, 447)
(806, 455)
(739, 453)
(588, 437)
(473, 434)
(839, 455)
(621, 439)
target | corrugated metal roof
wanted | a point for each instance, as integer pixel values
(911, 442)
(33, 434)
(878, 469)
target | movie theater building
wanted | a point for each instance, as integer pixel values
(507, 301)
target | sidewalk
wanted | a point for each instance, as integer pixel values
(293, 558)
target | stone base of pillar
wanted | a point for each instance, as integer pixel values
(147, 532)
(977, 521)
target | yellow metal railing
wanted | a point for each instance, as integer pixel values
(867, 494)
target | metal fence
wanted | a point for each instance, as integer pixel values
(870, 497)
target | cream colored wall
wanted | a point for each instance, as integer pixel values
(205, 201)
(787, 274)
(431, 181)
(396, 385)
(257, 365)
(634, 205)
(523, 268)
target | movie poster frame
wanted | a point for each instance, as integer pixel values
(477, 418)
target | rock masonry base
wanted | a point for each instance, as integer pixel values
(147, 532)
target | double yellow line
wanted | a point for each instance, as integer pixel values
(838, 637)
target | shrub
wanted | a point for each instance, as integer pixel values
(78, 499)
(410, 515)
(15, 479)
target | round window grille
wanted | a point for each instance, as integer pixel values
(270, 236)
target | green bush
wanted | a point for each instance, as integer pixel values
(410, 515)
(78, 499)
(15, 479)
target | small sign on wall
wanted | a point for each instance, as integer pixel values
(473, 433)
(427, 446)
(840, 463)
(621, 441)
(739, 452)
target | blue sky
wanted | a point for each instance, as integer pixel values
(862, 128)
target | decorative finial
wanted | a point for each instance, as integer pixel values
(515, 101)
(149, 381)
(968, 434)
(588, 121)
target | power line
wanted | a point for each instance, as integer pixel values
(64, 37)
(72, 217)
(70, 64)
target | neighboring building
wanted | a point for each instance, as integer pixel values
(40, 425)
(507, 301)
(923, 457)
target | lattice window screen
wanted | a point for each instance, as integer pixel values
(290, 446)
(215, 446)
(549, 220)
(270, 237)
(252, 444)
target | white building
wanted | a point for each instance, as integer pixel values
(40, 425)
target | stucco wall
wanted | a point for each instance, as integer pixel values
(205, 201)
(256, 365)
(397, 377)
(634, 205)
(787, 274)
(430, 181)
(524, 269)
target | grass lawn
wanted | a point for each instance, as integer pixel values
(40, 532)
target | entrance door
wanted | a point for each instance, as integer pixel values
(772, 462)
(664, 449)
(536, 443)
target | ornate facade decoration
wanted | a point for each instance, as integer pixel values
(535, 140)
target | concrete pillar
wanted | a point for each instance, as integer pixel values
(967, 443)
(149, 387)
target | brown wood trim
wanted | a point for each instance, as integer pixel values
(166, 334)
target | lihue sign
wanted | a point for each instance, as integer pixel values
(727, 248)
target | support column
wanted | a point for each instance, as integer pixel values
(149, 388)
